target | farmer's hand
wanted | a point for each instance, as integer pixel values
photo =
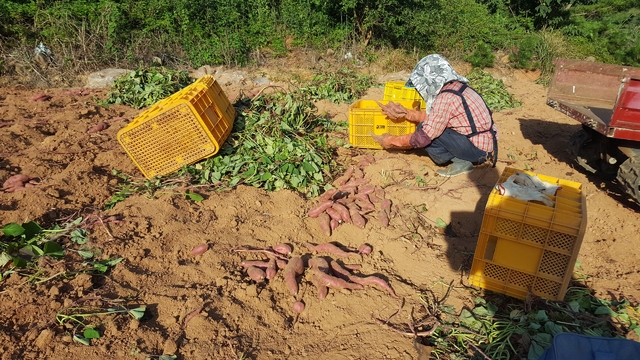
(393, 110)
(383, 140)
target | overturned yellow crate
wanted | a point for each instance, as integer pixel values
(526, 247)
(366, 118)
(186, 127)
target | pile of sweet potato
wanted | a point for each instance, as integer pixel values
(324, 273)
(352, 200)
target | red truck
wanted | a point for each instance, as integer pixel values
(605, 98)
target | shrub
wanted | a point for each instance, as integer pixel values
(482, 57)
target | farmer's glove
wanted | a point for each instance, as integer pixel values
(393, 110)
(393, 142)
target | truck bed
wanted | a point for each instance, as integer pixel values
(588, 92)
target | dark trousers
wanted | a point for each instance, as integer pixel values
(453, 144)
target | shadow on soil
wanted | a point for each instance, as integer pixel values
(554, 137)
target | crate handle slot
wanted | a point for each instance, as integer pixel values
(492, 242)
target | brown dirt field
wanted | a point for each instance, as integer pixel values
(48, 140)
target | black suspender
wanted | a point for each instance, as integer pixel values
(472, 123)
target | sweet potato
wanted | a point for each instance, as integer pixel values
(329, 248)
(271, 269)
(366, 189)
(255, 263)
(357, 219)
(365, 249)
(255, 273)
(298, 307)
(324, 221)
(373, 280)
(335, 215)
(40, 97)
(281, 263)
(344, 178)
(337, 283)
(283, 249)
(375, 199)
(16, 179)
(293, 268)
(365, 205)
(334, 224)
(316, 211)
(199, 250)
(98, 127)
(352, 266)
(328, 195)
(322, 289)
(386, 206)
(384, 218)
(342, 211)
(339, 271)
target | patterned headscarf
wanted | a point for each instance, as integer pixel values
(430, 75)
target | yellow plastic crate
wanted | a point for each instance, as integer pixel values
(396, 91)
(365, 117)
(525, 247)
(186, 127)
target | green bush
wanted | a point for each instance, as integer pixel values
(524, 56)
(482, 57)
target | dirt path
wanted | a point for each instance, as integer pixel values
(48, 140)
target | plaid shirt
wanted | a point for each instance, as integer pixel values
(448, 112)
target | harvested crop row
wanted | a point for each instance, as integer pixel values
(324, 275)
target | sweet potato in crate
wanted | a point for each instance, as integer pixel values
(186, 127)
(366, 117)
(396, 91)
(526, 247)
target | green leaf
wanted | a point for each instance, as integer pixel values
(85, 254)
(81, 339)
(31, 229)
(79, 236)
(4, 259)
(193, 196)
(441, 223)
(90, 333)
(552, 328)
(604, 310)
(101, 267)
(574, 306)
(541, 316)
(138, 313)
(53, 249)
(467, 319)
(19, 262)
(167, 357)
(12, 229)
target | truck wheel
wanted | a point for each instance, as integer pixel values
(629, 176)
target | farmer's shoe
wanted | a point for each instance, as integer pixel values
(457, 167)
